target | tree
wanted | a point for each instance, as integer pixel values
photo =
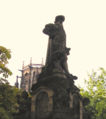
(24, 105)
(3, 114)
(14, 103)
(96, 92)
(8, 100)
(4, 70)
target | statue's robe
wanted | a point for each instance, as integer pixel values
(49, 52)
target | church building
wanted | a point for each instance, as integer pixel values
(29, 74)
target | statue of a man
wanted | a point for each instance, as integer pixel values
(57, 51)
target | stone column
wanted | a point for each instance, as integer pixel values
(81, 109)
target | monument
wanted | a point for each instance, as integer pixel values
(55, 96)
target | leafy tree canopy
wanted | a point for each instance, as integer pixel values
(4, 57)
(8, 100)
(96, 92)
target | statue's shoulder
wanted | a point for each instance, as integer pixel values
(55, 29)
(51, 29)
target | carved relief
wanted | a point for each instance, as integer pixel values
(42, 104)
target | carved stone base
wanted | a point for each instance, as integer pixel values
(55, 97)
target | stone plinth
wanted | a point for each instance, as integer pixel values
(55, 98)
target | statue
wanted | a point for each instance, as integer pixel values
(57, 50)
(55, 96)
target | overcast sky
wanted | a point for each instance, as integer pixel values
(22, 21)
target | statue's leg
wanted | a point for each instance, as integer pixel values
(64, 64)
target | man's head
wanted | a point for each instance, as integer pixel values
(59, 19)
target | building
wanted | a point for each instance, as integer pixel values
(29, 76)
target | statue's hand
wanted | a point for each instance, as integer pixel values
(67, 51)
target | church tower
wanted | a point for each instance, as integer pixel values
(29, 74)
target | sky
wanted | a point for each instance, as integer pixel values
(22, 22)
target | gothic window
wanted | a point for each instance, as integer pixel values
(26, 76)
(27, 87)
(34, 78)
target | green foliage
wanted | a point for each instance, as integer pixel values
(3, 114)
(23, 100)
(24, 105)
(8, 100)
(7, 92)
(14, 103)
(96, 92)
(4, 57)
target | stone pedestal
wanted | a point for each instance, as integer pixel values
(55, 97)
